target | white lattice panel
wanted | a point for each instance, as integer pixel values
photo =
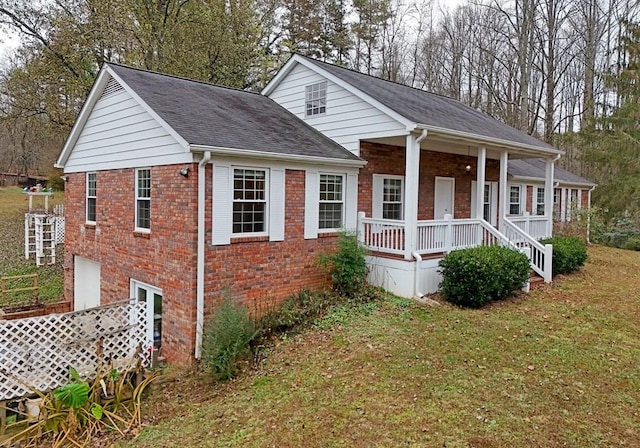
(36, 353)
(59, 229)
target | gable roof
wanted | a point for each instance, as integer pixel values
(210, 116)
(535, 169)
(425, 109)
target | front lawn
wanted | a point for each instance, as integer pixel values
(558, 367)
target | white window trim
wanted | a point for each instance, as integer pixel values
(94, 197)
(137, 198)
(267, 175)
(309, 89)
(378, 194)
(535, 203)
(342, 202)
(520, 196)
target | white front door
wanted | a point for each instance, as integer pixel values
(444, 194)
(86, 283)
(152, 296)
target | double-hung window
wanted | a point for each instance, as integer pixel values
(249, 201)
(514, 200)
(91, 197)
(143, 199)
(392, 198)
(316, 99)
(539, 201)
(331, 207)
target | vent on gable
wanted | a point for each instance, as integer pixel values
(112, 88)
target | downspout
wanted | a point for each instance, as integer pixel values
(206, 157)
(416, 255)
(589, 214)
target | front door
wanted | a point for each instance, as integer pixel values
(152, 296)
(443, 198)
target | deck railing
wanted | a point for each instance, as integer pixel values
(540, 255)
(534, 226)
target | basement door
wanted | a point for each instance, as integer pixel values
(152, 296)
(443, 197)
(86, 283)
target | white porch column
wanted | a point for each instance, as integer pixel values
(548, 196)
(480, 180)
(503, 201)
(412, 172)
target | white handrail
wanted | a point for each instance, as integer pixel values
(540, 255)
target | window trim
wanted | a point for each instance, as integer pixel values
(536, 203)
(139, 198)
(342, 201)
(266, 171)
(89, 197)
(519, 202)
(385, 177)
(321, 100)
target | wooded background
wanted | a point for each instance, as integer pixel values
(564, 70)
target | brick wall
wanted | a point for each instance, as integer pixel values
(254, 271)
(387, 159)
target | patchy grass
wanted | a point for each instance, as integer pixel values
(13, 205)
(558, 367)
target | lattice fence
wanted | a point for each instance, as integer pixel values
(36, 353)
(59, 229)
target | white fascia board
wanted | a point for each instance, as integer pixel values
(297, 59)
(480, 139)
(561, 183)
(253, 154)
(181, 141)
(87, 107)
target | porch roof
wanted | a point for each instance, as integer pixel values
(433, 111)
(532, 169)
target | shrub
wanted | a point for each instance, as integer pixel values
(632, 244)
(296, 311)
(347, 265)
(476, 276)
(569, 253)
(226, 339)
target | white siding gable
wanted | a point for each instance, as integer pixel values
(348, 118)
(121, 133)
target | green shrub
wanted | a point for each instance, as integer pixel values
(347, 265)
(476, 276)
(297, 311)
(632, 244)
(622, 234)
(226, 339)
(569, 253)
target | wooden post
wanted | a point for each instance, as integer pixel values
(360, 227)
(3, 417)
(548, 263)
(448, 233)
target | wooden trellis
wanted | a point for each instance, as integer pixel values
(36, 353)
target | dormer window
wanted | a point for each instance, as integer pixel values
(316, 99)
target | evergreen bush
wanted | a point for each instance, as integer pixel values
(569, 253)
(226, 339)
(347, 265)
(476, 276)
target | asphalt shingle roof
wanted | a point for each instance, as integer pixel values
(430, 109)
(211, 115)
(535, 168)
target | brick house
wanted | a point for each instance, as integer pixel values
(178, 191)
(418, 195)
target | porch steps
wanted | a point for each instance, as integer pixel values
(535, 281)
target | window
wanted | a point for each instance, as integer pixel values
(331, 201)
(249, 200)
(316, 99)
(91, 197)
(539, 209)
(556, 203)
(152, 298)
(143, 199)
(392, 194)
(486, 203)
(514, 200)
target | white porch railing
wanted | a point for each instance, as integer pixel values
(535, 226)
(540, 255)
(381, 235)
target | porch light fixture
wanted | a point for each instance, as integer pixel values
(184, 172)
(467, 168)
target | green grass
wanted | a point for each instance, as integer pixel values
(13, 206)
(558, 367)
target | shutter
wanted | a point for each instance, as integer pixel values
(311, 204)
(376, 200)
(221, 205)
(276, 205)
(351, 202)
(474, 200)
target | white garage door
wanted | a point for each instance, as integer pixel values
(86, 284)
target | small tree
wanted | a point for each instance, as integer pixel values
(347, 264)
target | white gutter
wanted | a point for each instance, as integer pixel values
(416, 293)
(589, 214)
(201, 246)
(250, 153)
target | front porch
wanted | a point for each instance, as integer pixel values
(422, 201)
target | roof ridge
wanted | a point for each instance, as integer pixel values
(182, 78)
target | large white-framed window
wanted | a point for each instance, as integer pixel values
(249, 201)
(91, 197)
(557, 192)
(392, 197)
(315, 99)
(331, 206)
(515, 196)
(538, 198)
(143, 199)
